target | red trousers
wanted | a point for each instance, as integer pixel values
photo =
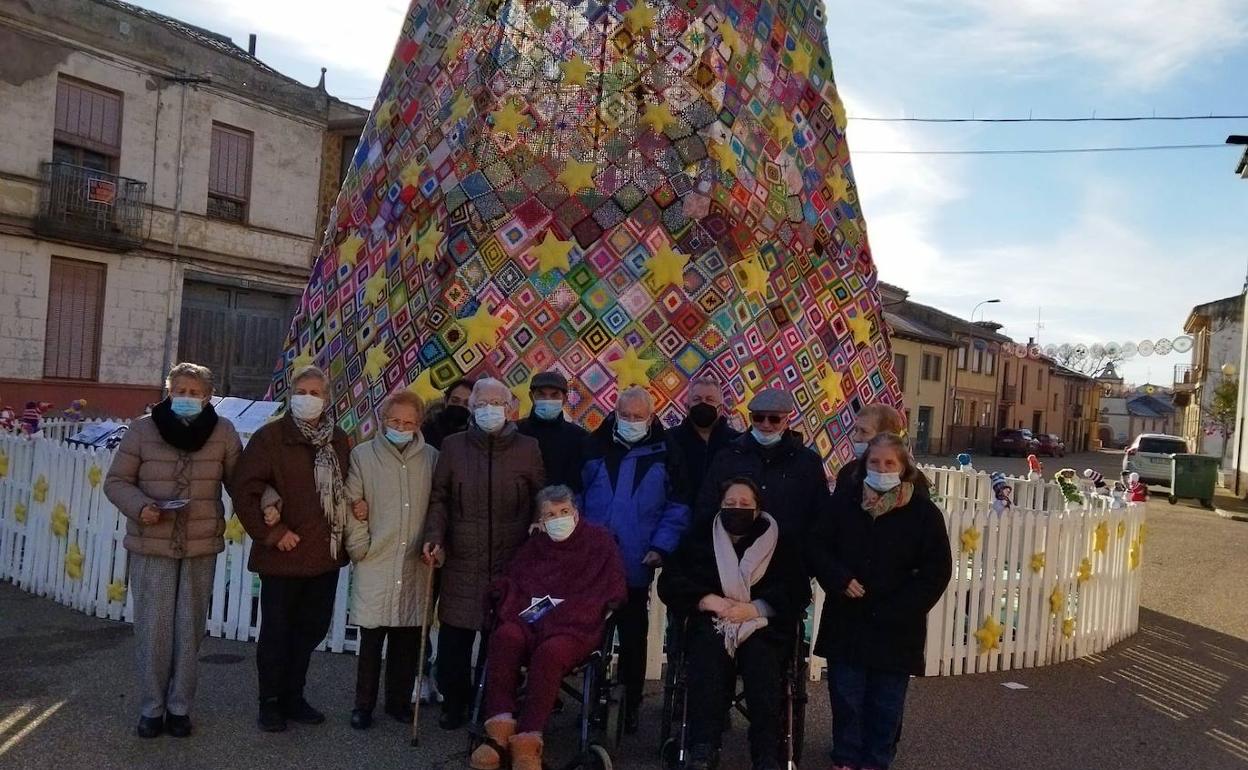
(513, 645)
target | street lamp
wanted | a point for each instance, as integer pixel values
(981, 304)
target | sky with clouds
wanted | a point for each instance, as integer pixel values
(1102, 247)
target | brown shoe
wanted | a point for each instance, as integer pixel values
(490, 755)
(526, 751)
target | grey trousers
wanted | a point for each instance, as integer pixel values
(171, 599)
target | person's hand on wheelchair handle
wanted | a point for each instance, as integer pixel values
(433, 554)
(652, 559)
(855, 590)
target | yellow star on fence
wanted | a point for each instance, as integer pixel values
(730, 36)
(423, 387)
(1100, 537)
(631, 369)
(639, 18)
(40, 489)
(1143, 532)
(349, 250)
(19, 513)
(1057, 601)
(94, 475)
(375, 286)
(482, 327)
(508, 118)
(667, 266)
(781, 128)
(1037, 562)
(830, 384)
(73, 562)
(658, 117)
(1068, 627)
(577, 176)
(970, 539)
(722, 152)
(552, 253)
(542, 18)
(59, 523)
(575, 70)
(427, 246)
(799, 59)
(989, 635)
(860, 325)
(523, 398)
(1133, 555)
(234, 531)
(1085, 571)
(117, 592)
(461, 106)
(4, 465)
(751, 275)
(375, 361)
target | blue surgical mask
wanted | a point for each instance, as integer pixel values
(632, 431)
(547, 408)
(860, 448)
(560, 528)
(766, 439)
(489, 418)
(186, 406)
(399, 437)
(883, 482)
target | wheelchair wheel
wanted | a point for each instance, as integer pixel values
(669, 754)
(600, 758)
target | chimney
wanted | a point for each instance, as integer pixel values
(251, 44)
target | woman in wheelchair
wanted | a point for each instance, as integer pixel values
(550, 613)
(742, 589)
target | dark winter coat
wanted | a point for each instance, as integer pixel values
(793, 482)
(698, 454)
(638, 493)
(903, 560)
(692, 573)
(480, 509)
(563, 447)
(438, 425)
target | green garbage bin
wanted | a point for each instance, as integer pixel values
(1195, 477)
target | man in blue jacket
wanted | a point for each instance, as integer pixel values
(634, 485)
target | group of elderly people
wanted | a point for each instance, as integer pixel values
(531, 532)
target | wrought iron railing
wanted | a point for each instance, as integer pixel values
(1009, 393)
(1186, 374)
(89, 206)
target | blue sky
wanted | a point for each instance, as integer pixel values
(1107, 247)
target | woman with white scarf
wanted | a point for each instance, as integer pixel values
(741, 589)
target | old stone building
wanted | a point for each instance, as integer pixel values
(162, 192)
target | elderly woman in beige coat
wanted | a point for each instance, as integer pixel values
(391, 474)
(166, 479)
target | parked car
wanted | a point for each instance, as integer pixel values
(1013, 441)
(1150, 455)
(1051, 444)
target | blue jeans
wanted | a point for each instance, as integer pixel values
(867, 705)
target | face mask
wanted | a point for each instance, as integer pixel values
(860, 448)
(703, 415)
(882, 482)
(736, 521)
(547, 409)
(490, 418)
(766, 439)
(456, 415)
(631, 431)
(307, 408)
(186, 406)
(399, 436)
(560, 528)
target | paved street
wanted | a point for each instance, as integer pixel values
(1175, 695)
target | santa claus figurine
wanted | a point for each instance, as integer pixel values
(1137, 491)
(1035, 468)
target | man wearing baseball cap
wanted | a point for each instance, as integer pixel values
(562, 442)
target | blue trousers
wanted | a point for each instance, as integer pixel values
(867, 705)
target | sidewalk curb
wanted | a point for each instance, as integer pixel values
(1231, 514)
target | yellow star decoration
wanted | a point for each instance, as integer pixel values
(781, 128)
(1100, 537)
(989, 635)
(575, 70)
(639, 18)
(375, 361)
(658, 117)
(1143, 532)
(19, 513)
(4, 465)
(349, 250)
(751, 275)
(1057, 601)
(1037, 562)
(117, 592)
(1133, 555)
(838, 114)
(631, 369)
(577, 176)
(970, 540)
(800, 59)
(1068, 627)
(743, 406)
(234, 531)
(94, 475)
(722, 152)
(302, 360)
(860, 325)
(410, 176)
(59, 523)
(423, 387)
(542, 18)
(1085, 571)
(508, 118)
(384, 112)
(830, 384)
(731, 37)
(838, 184)
(73, 562)
(427, 246)
(40, 490)
(552, 253)
(454, 46)
(1122, 529)
(668, 266)
(482, 328)
(374, 287)
(461, 106)
(524, 400)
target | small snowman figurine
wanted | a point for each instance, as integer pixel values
(1003, 493)
(1118, 496)
(1035, 468)
(964, 463)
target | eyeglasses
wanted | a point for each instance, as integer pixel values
(773, 419)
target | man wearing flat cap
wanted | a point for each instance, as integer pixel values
(562, 442)
(790, 475)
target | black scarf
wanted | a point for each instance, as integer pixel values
(187, 437)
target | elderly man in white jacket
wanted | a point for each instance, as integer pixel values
(389, 481)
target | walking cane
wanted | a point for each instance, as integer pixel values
(420, 666)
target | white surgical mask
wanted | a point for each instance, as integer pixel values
(860, 448)
(489, 418)
(400, 436)
(559, 528)
(882, 482)
(186, 406)
(547, 408)
(766, 439)
(632, 431)
(307, 408)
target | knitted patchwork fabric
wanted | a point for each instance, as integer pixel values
(630, 193)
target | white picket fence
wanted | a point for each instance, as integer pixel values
(52, 508)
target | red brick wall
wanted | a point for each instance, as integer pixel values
(103, 400)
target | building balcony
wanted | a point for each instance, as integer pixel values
(90, 207)
(1009, 394)
(1187, 377)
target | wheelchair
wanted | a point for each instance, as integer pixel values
(594, 684)
(673, 734)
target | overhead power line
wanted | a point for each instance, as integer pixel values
(1044, 150)
(1094, 118)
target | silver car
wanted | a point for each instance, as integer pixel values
(1150, 456)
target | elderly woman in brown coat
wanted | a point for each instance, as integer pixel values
(166, 479)
(481, 506)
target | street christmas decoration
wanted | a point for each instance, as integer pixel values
(1080, 351)
(629, 192)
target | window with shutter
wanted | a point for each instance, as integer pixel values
(229, 173)
(87, 131)
(899, 369)
(75, 315)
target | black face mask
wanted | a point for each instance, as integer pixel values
(703, 415)
(456, 415)
(736, 521)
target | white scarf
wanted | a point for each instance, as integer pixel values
(737, 576)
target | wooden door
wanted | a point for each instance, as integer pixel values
(238, 333)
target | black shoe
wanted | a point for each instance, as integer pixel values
(178, 726)
(631, 722)
(702, 758)
(271, 719)
(150, 727)
(451, 720)
(361, 719)
(401, 713)
(301, 711)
